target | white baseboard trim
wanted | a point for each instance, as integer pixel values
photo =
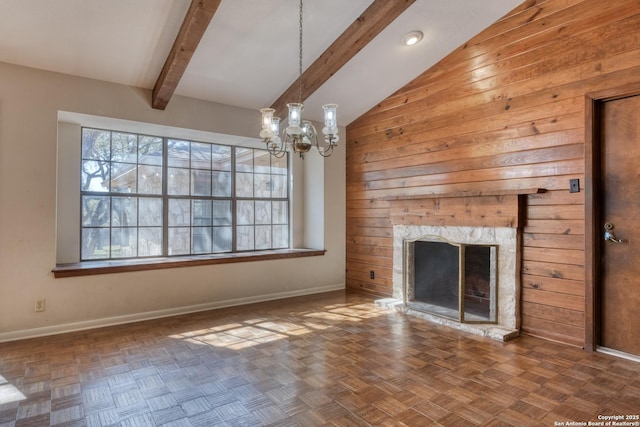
(149, 315)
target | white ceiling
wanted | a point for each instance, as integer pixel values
(249, 54)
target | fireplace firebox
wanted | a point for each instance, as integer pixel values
(452, 280)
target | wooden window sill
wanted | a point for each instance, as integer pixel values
(88, 268)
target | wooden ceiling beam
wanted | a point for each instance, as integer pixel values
(364, 29)
(193, 28)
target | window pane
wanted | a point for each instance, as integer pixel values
(150, 150)
(200, 155)
(280, 236)
(95, 175)
(179, 242)
(279, 166)
(150, 241)
(262, 161)
(221, 239)
(124, 211)
(263, 212)
(95, 243)
(200, 183)
(123, 177)
(150, 212)
(178, 153)
(221, 158)
(263, 237)
(221, 212)
(178, 182)
(244, 159)
(96, 144)
(280, 213)
(150, 179)
(279, 189)
(124, 147)
(244, 185)
(201, 240)
(123, 242)
(245, 238)
(222, 184)
(201, 212)
(244, 212)
(179, 212)
(96, 211)
(263, 185)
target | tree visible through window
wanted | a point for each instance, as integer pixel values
(147, 196)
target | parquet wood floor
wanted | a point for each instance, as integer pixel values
(332, 359)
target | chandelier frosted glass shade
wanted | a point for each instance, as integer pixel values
(270, 130)
(267, 123)
(295, 117)
(330, 129)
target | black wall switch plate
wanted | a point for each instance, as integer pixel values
(574, 186)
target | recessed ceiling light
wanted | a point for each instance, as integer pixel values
(412, 38)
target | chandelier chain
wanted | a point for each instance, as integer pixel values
(300, 59)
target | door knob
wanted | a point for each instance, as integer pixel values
(608, 234)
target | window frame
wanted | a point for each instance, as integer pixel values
(233, 200)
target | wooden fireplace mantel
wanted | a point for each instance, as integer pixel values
(516, 192)
(499, 208)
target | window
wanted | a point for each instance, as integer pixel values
(147, 196)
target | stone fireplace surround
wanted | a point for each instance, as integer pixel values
(411, 222)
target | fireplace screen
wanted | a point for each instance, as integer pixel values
(456, 281)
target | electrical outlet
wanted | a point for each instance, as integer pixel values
(372, 274)
(40, 305)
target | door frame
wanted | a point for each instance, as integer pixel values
(592, 198)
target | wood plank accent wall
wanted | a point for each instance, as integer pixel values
(505, 111)
(479, 211)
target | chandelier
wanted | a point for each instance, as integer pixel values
(300, 135)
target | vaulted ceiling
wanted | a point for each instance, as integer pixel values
(244, 52)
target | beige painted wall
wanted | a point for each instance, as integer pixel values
(29, 104)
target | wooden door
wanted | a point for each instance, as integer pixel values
(620, 207)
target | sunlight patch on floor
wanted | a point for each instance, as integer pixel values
(9, 393)
(259, 330)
